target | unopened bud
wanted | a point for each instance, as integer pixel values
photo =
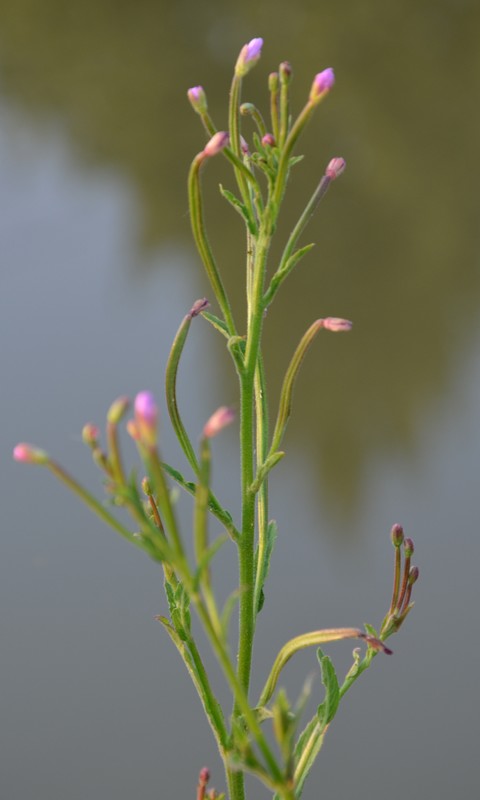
(244, 146)
(247, 109)
(216, 144)
(409, 547)
(28, 454)
(396, 535)
(268, 140)
(198, 307)
(413, 576)
(273, 81)
(198, 99)
(336, 324)
(222, 417)
(90, 434)
(204, 776)
(322, 83)
(146, 488)
(101, 460)
(117, 410)
(335, 168)
(249, 55)
(285, 71)
(146, 416)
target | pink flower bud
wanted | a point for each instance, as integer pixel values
(198, 99)
(409, 547)
(336, 324)
(90, 434)
(28, 454)
(204, 776)
(222, 417)
(413, 576)
(146, 417)
(244, 146)
(285, 71)
(268, 140)
(198, 307)
(249, 55)
(396, 535)
(218, 141)
(335, 168)
(322, 83)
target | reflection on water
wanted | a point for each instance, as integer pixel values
(97, 269)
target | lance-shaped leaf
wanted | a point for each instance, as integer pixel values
(327, 710)
(214, 506)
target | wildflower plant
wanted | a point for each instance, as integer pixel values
(283, 756)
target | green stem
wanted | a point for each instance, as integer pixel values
(246, 542)
(235, 783)
(261, 411)
(240, 695)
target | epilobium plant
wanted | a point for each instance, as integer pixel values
(282, 759)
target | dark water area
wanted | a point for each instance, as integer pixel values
(98, 268)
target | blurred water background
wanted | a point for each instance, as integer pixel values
(97, 270)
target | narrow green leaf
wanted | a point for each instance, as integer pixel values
(327, 710)
(295, 160)
(217, 323)
(240, 208)
(214, 506)
(272, 533)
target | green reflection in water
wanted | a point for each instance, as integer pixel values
(398, 248)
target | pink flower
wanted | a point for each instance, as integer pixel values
(249, 55)
(322, 83)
